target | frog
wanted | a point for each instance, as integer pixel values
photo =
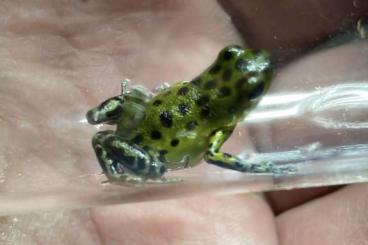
(183, 123)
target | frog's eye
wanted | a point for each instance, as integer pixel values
(257, 91)
(230, 52)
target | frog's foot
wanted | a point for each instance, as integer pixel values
(270, 167)
(134, 180)
(164, 181)
(125, 179)
(112, 109)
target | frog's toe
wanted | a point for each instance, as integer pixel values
(271, 168)
(164, 181)
(284, 170)
(135, 180)
(125, 179)
(262, 168)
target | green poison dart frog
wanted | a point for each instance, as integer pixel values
(183, 123)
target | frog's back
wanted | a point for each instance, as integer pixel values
(179, 121)
(174, 125)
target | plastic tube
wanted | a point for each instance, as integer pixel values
(331, 110)
(50, 164)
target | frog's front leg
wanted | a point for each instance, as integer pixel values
(124, 161)
(225, 160)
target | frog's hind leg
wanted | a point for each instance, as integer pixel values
(225, 160)
(124, 161)
(112, 109)
(108, 111)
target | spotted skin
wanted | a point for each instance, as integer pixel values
(184, 123)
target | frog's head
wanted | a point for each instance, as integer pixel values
(244, 76)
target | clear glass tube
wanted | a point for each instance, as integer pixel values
(332, 110)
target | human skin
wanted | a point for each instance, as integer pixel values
(57, 55)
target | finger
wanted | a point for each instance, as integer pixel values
(338, 218)
(288, 27)
(281, 201)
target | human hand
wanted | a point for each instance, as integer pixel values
(58, 59)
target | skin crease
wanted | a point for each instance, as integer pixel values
(70, 54)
